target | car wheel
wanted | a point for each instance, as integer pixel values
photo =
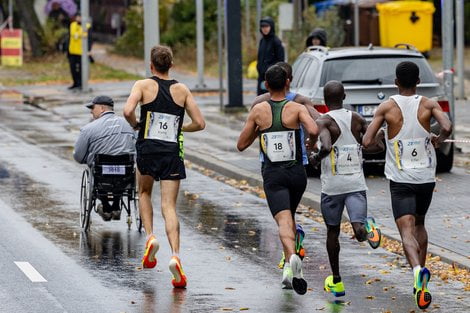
(445, 162)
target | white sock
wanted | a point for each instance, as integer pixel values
(287, 264)
(416, 269)
(176, 254)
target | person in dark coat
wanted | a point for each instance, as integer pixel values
(270, 51)
(316, 38)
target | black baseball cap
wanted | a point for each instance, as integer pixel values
(105, 100)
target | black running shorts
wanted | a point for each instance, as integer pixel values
(161, 167)
(411, 199)
(284, 187)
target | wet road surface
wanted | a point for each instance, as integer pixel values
(229, 250)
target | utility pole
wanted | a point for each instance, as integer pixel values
(151, 30)
(10, 14)
(84, 10)
(258, 18)
(200, 44)
(356, 23)
(247, 20)
(220, 31)
(234, 54)
(459, 14)
(448, 52)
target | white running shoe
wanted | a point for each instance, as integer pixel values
(298, 282)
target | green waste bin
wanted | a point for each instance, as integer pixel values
(408, 22)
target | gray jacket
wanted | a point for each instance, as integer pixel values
(109, 134)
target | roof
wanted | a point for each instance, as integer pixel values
(345, 52)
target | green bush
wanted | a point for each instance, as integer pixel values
(131, 43)
(181, 27)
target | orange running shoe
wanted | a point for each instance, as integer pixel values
(151, 247)
(179, 278)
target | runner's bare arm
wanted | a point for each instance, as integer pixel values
(309, 105)
(260, 98)
(197, 120)
(307, 121)
(325, 140)
(129, 109)
(249, 132)
(369, 138)
(444, 122)
(379, 144)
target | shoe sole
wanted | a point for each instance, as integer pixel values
(179, 277)
(150, 254)
(298, 283)
(423, 296)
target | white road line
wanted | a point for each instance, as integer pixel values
(30, 272)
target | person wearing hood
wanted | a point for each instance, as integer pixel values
(316, 38)
(270, 51)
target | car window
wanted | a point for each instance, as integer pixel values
(310, 74)
(376, 70)
(297, 70)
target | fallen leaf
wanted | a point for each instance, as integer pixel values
(320, 309)
(244, 309)
(226, 309)
(251, 233)
(370, 297)
(384, 272)
(229, 288)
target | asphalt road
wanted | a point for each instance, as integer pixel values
(230, 247)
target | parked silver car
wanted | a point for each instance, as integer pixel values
(368, 76)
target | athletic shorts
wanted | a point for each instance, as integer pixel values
(413, 199)
(284, 187)
(161, 167)
(332, 207)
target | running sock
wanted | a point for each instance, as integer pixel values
(416, 269)
(287, 264)
(176, 255)
(336, 279)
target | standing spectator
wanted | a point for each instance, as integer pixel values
(75, 50)
(270, 51)
(316, 38)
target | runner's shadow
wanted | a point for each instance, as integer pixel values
(336, 306)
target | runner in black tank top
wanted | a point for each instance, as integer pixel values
(165, 104)
(160, 151)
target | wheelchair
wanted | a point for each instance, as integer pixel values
(110, 176)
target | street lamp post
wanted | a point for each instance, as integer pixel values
(200, 43)
(151, 30)
(448, 52)
(84, 8)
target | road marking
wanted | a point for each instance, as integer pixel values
(30, 272)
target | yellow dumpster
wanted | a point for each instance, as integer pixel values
(408, 22)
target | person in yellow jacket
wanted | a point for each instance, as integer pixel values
(75, 51)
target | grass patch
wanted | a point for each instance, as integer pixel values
(54, 69)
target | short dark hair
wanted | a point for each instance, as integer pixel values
(333, 92)
(162, 58)
(286, 66)
(276, 77)
(407, 74)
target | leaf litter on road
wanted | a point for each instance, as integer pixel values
(439, 268)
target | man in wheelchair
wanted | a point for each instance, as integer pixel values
(105, 136)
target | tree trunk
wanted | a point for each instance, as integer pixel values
(31, 25)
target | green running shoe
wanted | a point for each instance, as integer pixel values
(422, 295)
(282, 261)
(287, 276)
(336, 289)
(374, 236)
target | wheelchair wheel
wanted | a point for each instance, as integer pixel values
(138, 219)
(85, 200)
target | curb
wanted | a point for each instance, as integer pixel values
(308, 199)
